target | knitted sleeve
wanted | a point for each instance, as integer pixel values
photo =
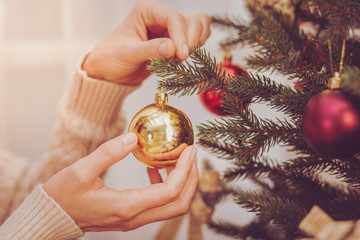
(39, 217)
(88, 116)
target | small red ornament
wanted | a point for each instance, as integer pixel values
(212, 100)
(331, 123)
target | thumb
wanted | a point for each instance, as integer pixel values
(158, 47)
(107, 154)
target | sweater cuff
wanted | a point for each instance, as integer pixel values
(96, 100)
(40, 217)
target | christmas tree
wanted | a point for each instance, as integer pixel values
(325, 167)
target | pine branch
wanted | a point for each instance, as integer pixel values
(310, 165)
(218, 148)
(229, 130)
(273, 40)
(257, 87)
(189, 77)
(234, 26)
(254, 230)
(291, 102)
(256, 135)
(347, 169)
(345, 208)
(252, 169)
(308, 190)
(282, 211)
(341, 16)
(262, 89)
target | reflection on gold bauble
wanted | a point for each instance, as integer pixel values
(163, 133)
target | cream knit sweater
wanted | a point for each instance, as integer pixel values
(88, 116)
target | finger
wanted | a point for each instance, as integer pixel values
(173, 209)
(169, 169)
(158, 47)
(154, 12)
(154, 175)
(160, 194)
(107, 154)
(205, 34)
(195, 28)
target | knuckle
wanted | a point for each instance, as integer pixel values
(172, 194)
(125, 215)
(183, 208)
(206, 18)
(75, 175)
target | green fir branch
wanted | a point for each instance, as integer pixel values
(309, 189)
(254, 230)
(290, 102)
(252, 169)
(199, 73)
(225, 129)
(258, 140)
(346, 169)
(256, 135)
(258, 88)
(235, 28)
(341, 16)
(345, 208)
(221, 149)
(282, 211)
(262, 89)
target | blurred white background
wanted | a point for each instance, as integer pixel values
(41, 42)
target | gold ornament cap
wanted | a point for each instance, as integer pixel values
(335, 82)
(161, 98)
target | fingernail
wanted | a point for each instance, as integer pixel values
(193, 153)
(129, 138)
(163, 49)
(186, 50)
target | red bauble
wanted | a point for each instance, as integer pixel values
(331, 123)
(212, 100)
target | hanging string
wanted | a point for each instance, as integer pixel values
(342, 56)
(341, 59)
(331, 58)
(336, 81)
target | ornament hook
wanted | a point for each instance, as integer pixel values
(336, 81)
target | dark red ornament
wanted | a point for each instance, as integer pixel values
(331, 123)
(212, 100)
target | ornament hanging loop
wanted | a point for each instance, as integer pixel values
(336, 81)
(161, 98)
(342, 56)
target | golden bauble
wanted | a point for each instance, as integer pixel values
(163, 133)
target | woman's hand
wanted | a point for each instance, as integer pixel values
(97, 207)
(151, 30)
